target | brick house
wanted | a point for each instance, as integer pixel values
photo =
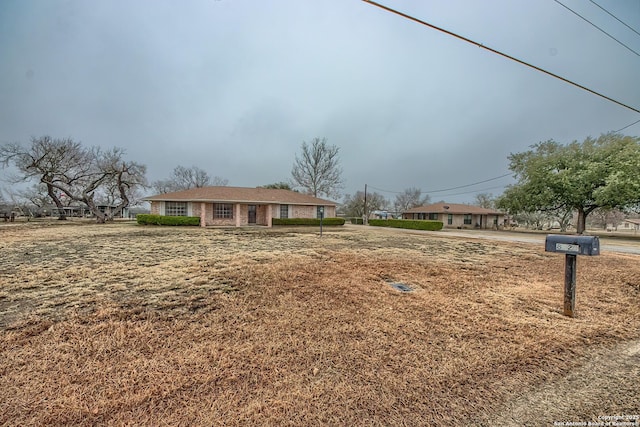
(240, 206)
(455, 215)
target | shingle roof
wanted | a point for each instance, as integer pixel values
(241, 195)
(453, 208)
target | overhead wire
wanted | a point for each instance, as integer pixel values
(497, 52)
(632, 29)
(448, 189)
(595, 26)
(472, 192)
(627, 126)
(615, 17)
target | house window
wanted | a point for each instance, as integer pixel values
(223, 210)
(175, 208)
(284, 211)
(449, 219)
(467, 219)
(433, 216)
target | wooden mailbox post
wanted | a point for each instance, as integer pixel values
(571, 246)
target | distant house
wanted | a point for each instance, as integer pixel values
(458, 216)
(629, 225)
(240, 206)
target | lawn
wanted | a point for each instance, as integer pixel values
(126, 324)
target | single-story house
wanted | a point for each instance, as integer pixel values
(240, 206)
(629, 224)
(455, 215)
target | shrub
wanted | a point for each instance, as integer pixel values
(356, 220)
(146, 219)
(308, 221)
(407, 223)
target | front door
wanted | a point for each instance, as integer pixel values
(252, 214)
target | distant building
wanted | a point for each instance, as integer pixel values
(455, 215)
(629, 225)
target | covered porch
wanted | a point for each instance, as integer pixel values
(234, 214)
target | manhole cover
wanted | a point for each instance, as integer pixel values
(401, 287)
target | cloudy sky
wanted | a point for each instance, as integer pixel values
(235, 86)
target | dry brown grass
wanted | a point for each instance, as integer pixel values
(122, 324)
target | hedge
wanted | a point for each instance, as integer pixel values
(308, 221)
(146, 219)
(407, 223)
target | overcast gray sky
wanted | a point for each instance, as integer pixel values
(235, 86)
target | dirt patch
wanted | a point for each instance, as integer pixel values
(121, 324)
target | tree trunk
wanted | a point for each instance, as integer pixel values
(582, 220)
(100, 216)
(51, 191)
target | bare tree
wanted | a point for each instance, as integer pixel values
(36, 195)
(603, 217)
(47, 160)
(185, 178)
(563, 216)
(31, 199)
(80, 174)
(317, 171)
(353, 205)
(410, 198)
(485, 200)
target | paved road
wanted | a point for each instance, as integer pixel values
(629, 246)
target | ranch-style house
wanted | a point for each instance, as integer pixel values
(455, 215)
(240, 206)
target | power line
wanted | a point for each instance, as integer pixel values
(627, 126)
(595, 26)
(471, 192)
(614, 17)
(411, 18)
(447, 189)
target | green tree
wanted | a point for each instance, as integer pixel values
(282, 185)
(582, 176)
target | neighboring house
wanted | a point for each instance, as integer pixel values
(240, 206)
(628, 225)
(458, 216)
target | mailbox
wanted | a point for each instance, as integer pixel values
(573, 245)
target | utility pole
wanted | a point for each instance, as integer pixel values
(365, 219)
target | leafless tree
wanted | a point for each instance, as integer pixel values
(317, 171)
(46, 160)
(36, 195)
(485, 200)
(353, 205)
(184, 178)
(410, 198)
(603, 217)
(69, 170)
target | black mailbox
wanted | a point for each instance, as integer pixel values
(574, 245)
